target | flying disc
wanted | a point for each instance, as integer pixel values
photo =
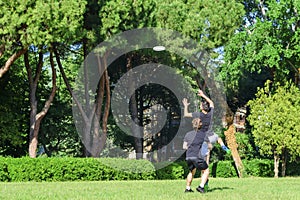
(159, 48)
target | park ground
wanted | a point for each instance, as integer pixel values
(219, 189)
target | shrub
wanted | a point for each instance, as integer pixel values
(4, 175)
(71, 169)
(224, 169)
(259, 167)
(171, 171)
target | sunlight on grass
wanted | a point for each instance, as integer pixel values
(220, 189)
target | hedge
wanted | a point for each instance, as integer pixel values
(98, 169)
(71, 169)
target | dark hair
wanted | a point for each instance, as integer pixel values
(205, 106)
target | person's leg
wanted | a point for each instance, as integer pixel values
(189, 178)
(207, 161)
(190, 175)
(204, 179)
(202, 165)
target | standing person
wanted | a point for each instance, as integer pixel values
(193, 141)
(206, 114)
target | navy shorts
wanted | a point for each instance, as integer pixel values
(197, 163)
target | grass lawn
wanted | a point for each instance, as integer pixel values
(219, 189)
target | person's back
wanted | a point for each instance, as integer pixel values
(194, 148)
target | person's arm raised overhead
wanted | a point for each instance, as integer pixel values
(186, 104)
(201, 94)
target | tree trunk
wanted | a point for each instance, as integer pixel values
(136, 132)
(276, 164)
(104, 85)
(36, 118)
(233, 146)
(284, 160)
(93, 142)
(106, 110)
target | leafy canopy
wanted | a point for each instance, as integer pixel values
(275, 119)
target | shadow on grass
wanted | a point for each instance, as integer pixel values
(219, 188)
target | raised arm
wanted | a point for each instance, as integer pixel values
(185, 108)
(201, 94)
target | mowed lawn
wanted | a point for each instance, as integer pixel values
(219, 189)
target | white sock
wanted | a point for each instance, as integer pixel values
(188, 187)
(201, 185)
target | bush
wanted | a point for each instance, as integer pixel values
(71, 169)
(4, 175)
(259, 168)
(224, 169)
(171, 171)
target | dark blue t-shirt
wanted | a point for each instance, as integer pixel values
(194, 148)
(205, 118)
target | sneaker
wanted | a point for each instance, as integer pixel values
(200, 189)
(190, 190)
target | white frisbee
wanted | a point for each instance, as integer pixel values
(159, 48)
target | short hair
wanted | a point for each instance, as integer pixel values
(196, 123)
(205, 106)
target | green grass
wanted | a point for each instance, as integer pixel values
(220, 189)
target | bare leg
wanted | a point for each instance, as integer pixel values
(204, 177)
(189, 178)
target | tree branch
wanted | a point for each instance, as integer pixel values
(44, 111)
(85, 118)
(11, 60)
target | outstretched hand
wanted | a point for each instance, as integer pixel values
(185, 102)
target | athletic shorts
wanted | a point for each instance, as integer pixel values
(197, 163)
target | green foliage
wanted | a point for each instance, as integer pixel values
(171, 171)
(259, 168)
(223, 169)
(266, 42)
(71, 169)
(40, 22)
(13, 113)
(274, 118)
(211, 23)
(245, 147)
(4, 175)
(118, 16)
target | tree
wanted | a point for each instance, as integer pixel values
(274, 119)
(31, 28)
(265, 45)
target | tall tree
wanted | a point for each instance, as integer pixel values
(32, 27)
(119, 16)
(274, 118)
(267, 42)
